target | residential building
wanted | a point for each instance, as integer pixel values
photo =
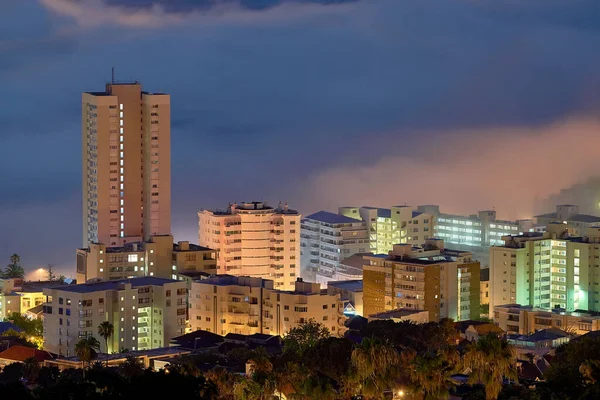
(547, 270)
(402, 315)
(472, 330)
(254, 239)
(158, 257)
(484, 291)
(146, 313)
(523, 320)
(539, 343)
(326, 240)
(10, 300)
(19, 354)
(390, 226)
(441, 281)
(351, 293)
(474, 233)
(126, 164)
(577, 224)
(247, 305)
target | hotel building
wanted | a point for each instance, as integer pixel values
(326, 240)
(441, 281)
(247, 305)
(390, 226)
(126, 165)
(254, 239)
(146, 313)
(547, 270)
(158, 257)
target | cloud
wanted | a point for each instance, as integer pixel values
(157, 13)
(505, 168)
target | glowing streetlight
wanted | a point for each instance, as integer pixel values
(40, 274)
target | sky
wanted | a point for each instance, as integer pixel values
(467, 104)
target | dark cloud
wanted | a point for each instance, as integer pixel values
(275, 104)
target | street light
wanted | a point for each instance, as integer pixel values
(40, 274)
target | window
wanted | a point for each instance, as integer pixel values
(132, 257)
(168, 293)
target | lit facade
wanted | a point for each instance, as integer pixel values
(126, 165)
(158, 257)
(443, 282)
(10, 300)
(547, 270)
(390, 226)
(146, 313)
(254, 239)
(326, 240)
(247, 305)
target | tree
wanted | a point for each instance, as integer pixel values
(305, 336)
(31, 370)
(87, 350)
(430, 373)
(14, 269)
(131, 367)
(51, 274)
(224, 381)
(490, 359)
(106, 330)
(374, 367)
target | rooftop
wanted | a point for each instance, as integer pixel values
(332, 218)
(355, 285)
(397, 313)
(356, 261)
(192, 247)
(153, 353)
(4, 326)
(255, 207)
(542, 335)
(116, 285)
(22, 353)
(33, 287)
(587, 218)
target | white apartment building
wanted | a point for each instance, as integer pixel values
(390, 226)
(246, 305)
(126, 159)
(146, 313)
(326, 240)
(158, 257)
(254, 239)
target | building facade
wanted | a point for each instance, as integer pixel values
(351, 293)
(390, 226)
(126, 165)
(10, 300)
(158, 257)
(547, 270)
(146, 313)
(577, 224)
(247, 305)
(254, 239)
(524, 320)
(327, 239)
(441, 281)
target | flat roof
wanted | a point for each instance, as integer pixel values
(192, 247)
(332, 218)
(115, 285)
(397, 313)
(355, 285)
(153, 353)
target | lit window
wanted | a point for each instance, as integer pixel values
(101, 261)
(101, 269)
(121, 139)
(122, 234)
(121, 122)
(174, 268)
(135, 268)
(120, 106)
(122, 319)
(122, 210)
(122, 298)
(151, 262)
(174, 276)
(121, 154)
(151, 273)
(121, 131)
(132, 258)
(101, 251)
(121, 114)
(122, 309)
(121, 204)
(122, 186)
(151, 251)
(122, 227)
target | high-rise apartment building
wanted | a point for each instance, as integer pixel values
(390, 226)
(441, 281)
(158, 257)
(568, 214)
(547, 270)
(146, 313)
(240, 304)
(326, 240)
(254, 239)
(126, 165)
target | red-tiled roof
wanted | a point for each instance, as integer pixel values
(22, 353)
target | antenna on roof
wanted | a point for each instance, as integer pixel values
(113, 76)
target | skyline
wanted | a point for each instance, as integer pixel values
(305, 95)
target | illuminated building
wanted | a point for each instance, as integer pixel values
(10, 300)
(158, 257)
(431, 278)
(390, 226)
(146, 313)
(126, 165)
(351, 293)
(247, 305)
(327, 239)
(568, 214)
(547, 270)
(254, 239)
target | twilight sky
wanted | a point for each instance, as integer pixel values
(467, 104)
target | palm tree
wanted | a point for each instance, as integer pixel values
(105, 330)
(374, 367)
(14, 269)
(131, 367)
(490, 359)
(87, 350)
(430, 373)
(31, 369)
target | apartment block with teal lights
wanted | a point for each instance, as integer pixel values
(549, 270)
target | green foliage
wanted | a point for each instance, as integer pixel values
(304, 337)
(32, 327)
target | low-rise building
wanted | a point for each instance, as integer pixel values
(523, 320)
(19, 354)
(145, 313)
(441, 281)
(484, 291)
(539, 343)
(351, 293)
(247, 305)
(10, 300)
(402, 315)
(577, 224)
(158, 257)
